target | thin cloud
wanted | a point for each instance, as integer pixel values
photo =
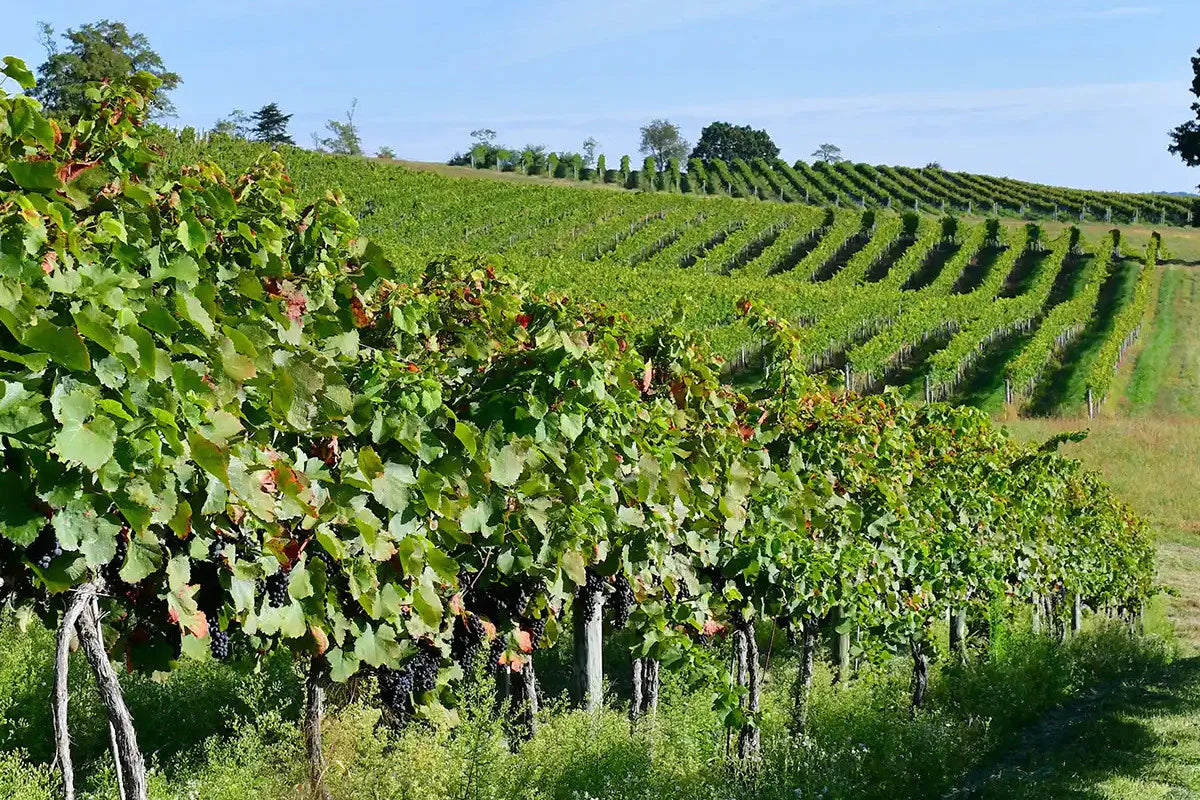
(1005, 103)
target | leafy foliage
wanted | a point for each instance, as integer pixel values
(225, 404)
(343, 138)
(95, 52)
(662, 141)
(269, 125)
(725, 142)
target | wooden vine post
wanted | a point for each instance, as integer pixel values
(314, 714)
(588, 678)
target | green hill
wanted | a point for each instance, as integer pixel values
(986, 311)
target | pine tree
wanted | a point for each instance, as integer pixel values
(269, 124)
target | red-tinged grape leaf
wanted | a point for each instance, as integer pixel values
(524, 641)
(322, 641)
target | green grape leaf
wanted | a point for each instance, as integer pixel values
(427, 603)
(143, 557)
(64, 345)
(507, 465)
(212, 458)
(90, 445)
(15, 68)
(38, 175)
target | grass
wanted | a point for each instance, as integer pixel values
(1142, 740)
(222, 734)
(1165, 380)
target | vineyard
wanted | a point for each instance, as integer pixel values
(881, 298)
(236, 429)
(928, 189)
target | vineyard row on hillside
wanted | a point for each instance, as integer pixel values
(882, 297)
(926, 189)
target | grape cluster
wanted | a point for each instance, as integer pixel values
(467, 644)
(220, 645)
(321, 555)
(216, 550)
(395, 689)
(496, 650)
(396, 686)
(537, 630)
(622, 601)
(45, 549)
(277, 589)
(425, 670)
(594, 593)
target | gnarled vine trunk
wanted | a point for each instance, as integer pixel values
(749, 738)
(842, 676)
(802, 688)
(958, 630)
(79, 602)
(920, 677)
(129, 756)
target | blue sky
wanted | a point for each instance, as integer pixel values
(1072, 92)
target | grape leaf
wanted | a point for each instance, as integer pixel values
(144, 556)
(63, 345)
(40, 175)
(507, 465)
(90, 445)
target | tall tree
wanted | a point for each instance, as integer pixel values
(1185, 140)
(98, 51)
(721, 141)
(343, 137)
(237, 123)
(269, 124)
(589, 151)
(662, 141)
(829, 153)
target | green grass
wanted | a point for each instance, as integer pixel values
(863, 743)
(1139, 740)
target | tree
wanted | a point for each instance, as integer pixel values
(236, 124)
(589, 151)
(662, 141)
(343, 137)
(385, 152)
(1185, 139)
(533, 158)
(269, 124)
(95, 52)
(725, 142)
(933, 165)
(483, 136)
(829, 153)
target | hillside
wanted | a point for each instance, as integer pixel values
(846, 184)
(973, 309)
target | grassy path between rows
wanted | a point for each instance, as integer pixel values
(1132, 742)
